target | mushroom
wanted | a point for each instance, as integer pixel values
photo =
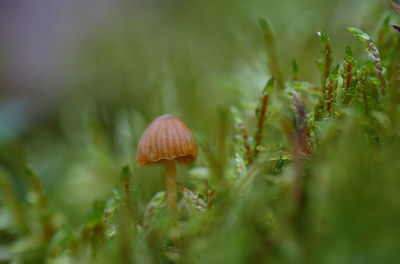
(165, 141)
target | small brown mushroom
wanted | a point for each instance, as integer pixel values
(167, 140)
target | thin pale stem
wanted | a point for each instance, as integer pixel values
(171, 188)
(172, 197)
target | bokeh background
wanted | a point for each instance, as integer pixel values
(80, 80)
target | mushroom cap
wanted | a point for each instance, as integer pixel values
(166, 138)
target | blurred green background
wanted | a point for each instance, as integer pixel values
(80, 81)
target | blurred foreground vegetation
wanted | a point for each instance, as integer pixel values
(297, 163)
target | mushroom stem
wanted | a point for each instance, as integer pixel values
(172, 197)
(171, 188)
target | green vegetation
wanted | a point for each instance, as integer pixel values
(303, 172)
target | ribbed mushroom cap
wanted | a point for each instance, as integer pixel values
(166, 138)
